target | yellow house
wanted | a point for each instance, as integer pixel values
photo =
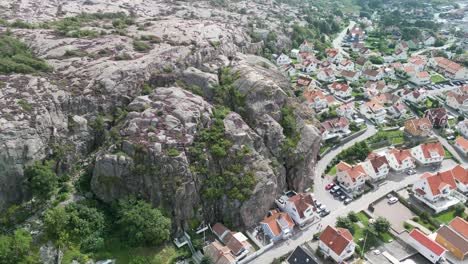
(454, 237)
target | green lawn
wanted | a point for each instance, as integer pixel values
(363, 218)
(426, 225)
(447, 154)
(332, 171)
(437, 78)
(324, 148)
(115, 249)
(447, 216)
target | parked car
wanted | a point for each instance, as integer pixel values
(338, 193)
(324, 212)
(329, 186)
(392, 200)
(321, 208)
(336, 188)
(348, 200)
(342, 198)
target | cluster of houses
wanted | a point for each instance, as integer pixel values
(452, 238)
(352, 178)
(229, 247)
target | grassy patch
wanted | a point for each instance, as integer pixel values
(116, 249)
(437, 78)
(363, 218)
(447, 154)
(324, 148)
(332, 171)
(447, 216)
(15, 57)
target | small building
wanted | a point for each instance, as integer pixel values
(300, 207)
(337, 244)
(283, 59)
(462, 145)
(437, 116)
(335, 128)
(372, 75)
(350, 76)
(449, 68)
(418, 128)
(428, 153)
(306, 47)
(346, 110)
(400, 159)
(373, 111)
(351, 178)
(457, 101)
(454, 237)
(376, 167)
(219, 254)
(326, 75)
(460, 175)
(341, 90)
(463, 128)
(430, 249)
(415, 96)
(420, 78)
(277, 226)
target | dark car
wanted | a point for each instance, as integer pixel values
(342, 198)
(348, 200)
(338, 193)
(324, 213)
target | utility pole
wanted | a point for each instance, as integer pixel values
(364, 245)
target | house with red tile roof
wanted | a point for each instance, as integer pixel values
(351, 178)
(346, 65)
(333, 55)
(220, 230)
(350, 76)
(335, 128)
(304, 82)
(460, 175)
(397, 110)
(219, 254)
(437, 190)
(326, 75)
(454, 237)
(437, 116)
(278, 225)
(376, 167)
(318, 100)
(457, 101)
(420, 78)
(300, 207)
(337, 244)
(373, 111)
(306, 47)
(400, 159)
(310, 65)
(341, 90)
(373, 75)
(461, 144)
(449, 68)
(236, 242)
(428, 153)
(427, 247)
(415, 96)
(346, 110)
(418, 128)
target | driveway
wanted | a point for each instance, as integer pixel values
(395, 213)
(338, 41)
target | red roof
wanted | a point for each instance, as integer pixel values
(460, 173)
(462, 142)
(272, 222)
(219, 229)
(302, 203)
(429, 148)
(336, 239)
(433, 246)
(460, 225)
(439, 181)
(400, 154)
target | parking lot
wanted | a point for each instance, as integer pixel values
(396, 213)
(399, 251)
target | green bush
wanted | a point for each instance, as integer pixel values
(141, 46)
(15, 57)
(173, 152)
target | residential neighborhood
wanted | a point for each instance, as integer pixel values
(391, 182)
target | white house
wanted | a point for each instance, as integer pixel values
(341, 90)
(415, 96)
(318, 100)
(337, 127)
(463, 128)
(449, 68)
(333, 55)
(351, 178)
(350, 76)
(346, 65)
(373, 75)
(428, 153)
(460, 175)
(300, 207)
(310, 65)
(457, 101)
(278, 225)
(376, 167)
(294, 53)
(346, 110)
(429, 41)
(400, 159)
(306, 47)
(326, 75)
(337, 244)
(427, 247)
(283, 59)
(373, 111)
(462, 145)
(420, 78)
(436, 190)
(400, 55)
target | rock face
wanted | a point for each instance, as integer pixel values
(150, 155)
(162, 127)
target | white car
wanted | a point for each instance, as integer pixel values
(392, 200)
